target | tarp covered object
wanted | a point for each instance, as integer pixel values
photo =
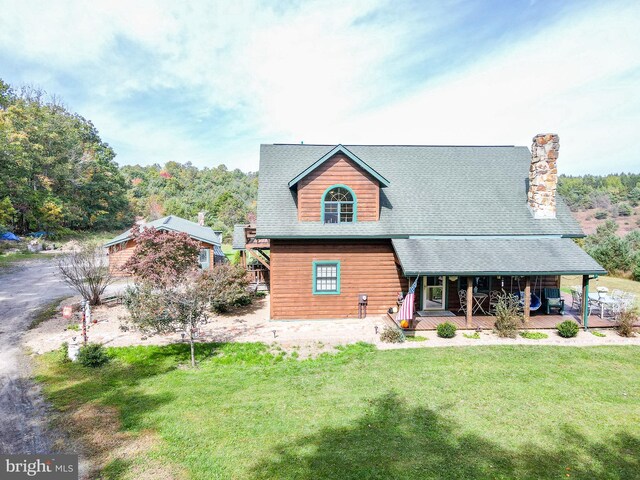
(9, 236)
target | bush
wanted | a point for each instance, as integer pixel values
(601, 215)
(534, 335)
(508, 316)
(446, 330)
(626, 321)
(64, 353)
(392, 335)
(225, 286)
(568, 329)
(624, 210)
(92, 355)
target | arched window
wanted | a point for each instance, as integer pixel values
(339, 205)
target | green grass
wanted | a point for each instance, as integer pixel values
(597, 334)
(474, 335)
(415, 338)
(503, 412)
(534, 335)
(7, 259)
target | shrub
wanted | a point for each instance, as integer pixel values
(474, 335)
(64, 353)
(225, 286)
(533, 335)
(626, 321)
(392, 335)
(624, 210)
(416, 338)
(508, 316)
(446, 330)
(92, 355)
(568, 329)
(597, 334)
(86, 271)
(601, 214)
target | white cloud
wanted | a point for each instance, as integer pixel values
(312, 72)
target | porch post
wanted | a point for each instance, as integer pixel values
(527, 299)
(469, 318)
(585, 301)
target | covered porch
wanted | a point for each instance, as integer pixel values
(458, 280)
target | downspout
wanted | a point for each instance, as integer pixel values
(585, 310)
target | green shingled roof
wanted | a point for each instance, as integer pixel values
(176, 224)
(433, 190)
(491, 256)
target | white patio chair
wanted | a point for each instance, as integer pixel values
(462, 295)
(576, 299)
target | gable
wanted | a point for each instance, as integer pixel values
(340, 149)
(339, 169)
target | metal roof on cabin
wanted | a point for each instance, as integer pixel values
(177, 224)
(434, 190)
(238, 242)
(551, 256)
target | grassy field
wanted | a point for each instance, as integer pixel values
(611, 283)
(477, 412)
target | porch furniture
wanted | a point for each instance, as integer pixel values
(494, 295)
(576, 298)
(602, 302)
(534, 304)
(462, 295)
(553, 299)
(478, 299)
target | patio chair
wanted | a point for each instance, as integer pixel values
(553, 299)
(462, 295)
(576, 299)
(494, 295)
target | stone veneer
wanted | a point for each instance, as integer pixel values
(543, 175)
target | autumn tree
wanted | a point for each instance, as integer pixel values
(161, 258)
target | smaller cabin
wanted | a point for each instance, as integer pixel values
(120, 248)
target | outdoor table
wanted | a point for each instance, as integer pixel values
(602, 301)
(478, 298)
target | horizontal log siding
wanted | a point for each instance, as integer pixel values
(119, 254)
(543, 282)
(338, 170)
(365, 267)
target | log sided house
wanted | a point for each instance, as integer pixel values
(120, 248)
(344, 222)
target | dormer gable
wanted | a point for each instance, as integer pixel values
(339, 149)
(338, 188)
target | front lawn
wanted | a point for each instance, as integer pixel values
(465, 413)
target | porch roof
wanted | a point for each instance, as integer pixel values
(494, 256)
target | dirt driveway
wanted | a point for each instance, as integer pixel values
(23, 288)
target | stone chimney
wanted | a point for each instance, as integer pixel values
(543, 175)
(201, 218)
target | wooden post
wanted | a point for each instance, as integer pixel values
(469, 318)
(527, 299)
(585, 301)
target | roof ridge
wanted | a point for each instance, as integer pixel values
(389, 145)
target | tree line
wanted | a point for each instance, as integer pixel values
(58, 175)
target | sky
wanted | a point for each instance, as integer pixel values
(208, 82)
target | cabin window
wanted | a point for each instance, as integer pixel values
(339, 205)
(326, 278)
(204, 258)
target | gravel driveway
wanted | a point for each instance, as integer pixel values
(23, 288)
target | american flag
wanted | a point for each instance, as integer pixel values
(406, 309)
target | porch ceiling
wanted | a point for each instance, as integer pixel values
(506, 256)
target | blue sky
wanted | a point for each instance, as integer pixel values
(207, 82)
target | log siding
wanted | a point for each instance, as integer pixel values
(338, 170)
(366, 266)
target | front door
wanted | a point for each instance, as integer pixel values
(433, 293)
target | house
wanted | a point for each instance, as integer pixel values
(121, 247)
(345, 221)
